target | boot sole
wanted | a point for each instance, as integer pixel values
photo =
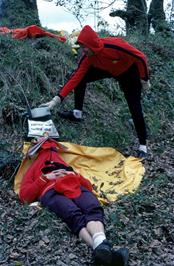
(72, 119)
(104, 256)
(121, 257)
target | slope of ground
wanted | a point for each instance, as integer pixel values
(142, 221)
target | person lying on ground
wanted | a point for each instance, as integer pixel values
(102, 58)
(69, 195)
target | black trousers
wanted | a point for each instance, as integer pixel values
(130, 83)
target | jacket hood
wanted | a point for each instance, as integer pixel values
(89, 38)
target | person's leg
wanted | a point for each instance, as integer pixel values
(96, 230)
(93, 74)
(93, 211)
(73, 216)
(94, 227)
(65, 209)
(102, 250)
(86, 237)
(93, 234)
(131, 86)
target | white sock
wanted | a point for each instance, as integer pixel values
(77, 113)
(143, 148)
(98, 239)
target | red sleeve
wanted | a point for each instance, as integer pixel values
(142, 64)
(140, 59)
(76, 77)
(30, 189)
(85, 183)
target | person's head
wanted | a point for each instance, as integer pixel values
(89, 40)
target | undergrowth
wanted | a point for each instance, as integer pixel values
(143, 220)
(40, 67)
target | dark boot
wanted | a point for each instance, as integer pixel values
(103, 254)
(120, 257)
(70, 116)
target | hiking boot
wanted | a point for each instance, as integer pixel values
(103, 254)
(70, 116)
(142, 155)
(120, 257)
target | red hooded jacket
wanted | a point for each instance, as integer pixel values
(33, 185)
(32, 31)
(111, 54)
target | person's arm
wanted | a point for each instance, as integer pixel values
(140, 59)
(85, 183)
(30, 189)
(73, 81)
(68, 184)
(76, 77)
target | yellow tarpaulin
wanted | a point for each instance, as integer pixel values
(109, 171)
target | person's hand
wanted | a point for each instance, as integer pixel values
(49, 176)
(57, 174)
(51, 104)
(62, 172)
(145, 84)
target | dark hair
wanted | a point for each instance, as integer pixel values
(51, 166)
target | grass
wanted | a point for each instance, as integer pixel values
(143, 221)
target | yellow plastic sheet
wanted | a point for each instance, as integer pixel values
(111, 174)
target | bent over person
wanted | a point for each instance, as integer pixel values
(102, 58)
(69, 195)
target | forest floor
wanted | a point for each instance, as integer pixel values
(143, 221)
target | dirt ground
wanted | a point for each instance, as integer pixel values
(143, 221)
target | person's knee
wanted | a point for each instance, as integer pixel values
(76, 222)
(95, 213)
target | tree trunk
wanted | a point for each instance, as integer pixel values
(156, 16)
(135, 16)
(18, 13)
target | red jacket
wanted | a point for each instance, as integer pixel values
(33, 185)
(32, 31)
(111, 54)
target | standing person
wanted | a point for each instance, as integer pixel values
(69, 195)
(109, 57)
